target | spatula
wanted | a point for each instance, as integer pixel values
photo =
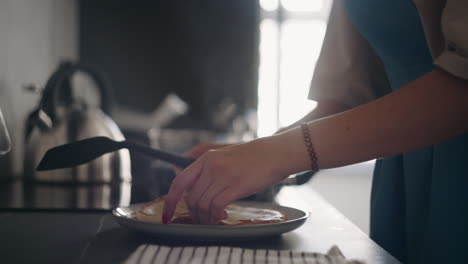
(82, 151)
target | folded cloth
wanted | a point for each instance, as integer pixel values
(155, 254)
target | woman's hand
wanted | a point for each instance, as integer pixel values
(223, 175)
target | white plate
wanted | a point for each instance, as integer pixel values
(187, 232)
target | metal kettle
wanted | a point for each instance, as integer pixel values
(60, 118)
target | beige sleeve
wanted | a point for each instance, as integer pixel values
(348, 71)
(454, 57)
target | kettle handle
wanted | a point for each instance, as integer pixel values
(45, 106)
(53, 94)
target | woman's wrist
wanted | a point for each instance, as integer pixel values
(287, 152)
(310, 147)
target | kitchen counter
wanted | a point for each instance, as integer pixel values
(93, 236)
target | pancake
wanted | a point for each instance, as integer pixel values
(152, 212)
(237, 215)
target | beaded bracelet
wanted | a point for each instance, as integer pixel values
(310, 147)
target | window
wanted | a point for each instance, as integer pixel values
(292, 33)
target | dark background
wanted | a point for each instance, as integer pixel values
(205, 51)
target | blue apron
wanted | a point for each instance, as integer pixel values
(419, 200)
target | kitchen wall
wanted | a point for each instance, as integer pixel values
(205, 51)
(35, 35)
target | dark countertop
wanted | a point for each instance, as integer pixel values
(20, 196)
(23, 195)
(93, 236)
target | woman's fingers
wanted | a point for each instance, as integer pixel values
(205, 188)
(213, 181)
(195, 193)
(181, 183)
(204, 204)
(219, 203)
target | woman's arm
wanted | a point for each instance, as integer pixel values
(427, 111)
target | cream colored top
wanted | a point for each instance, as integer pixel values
(348, 70)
